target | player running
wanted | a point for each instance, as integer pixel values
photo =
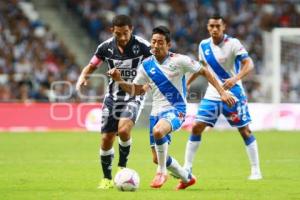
(228, 60)
(164, 74)
(125, 52)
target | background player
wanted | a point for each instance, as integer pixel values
(229, 61)
(165, 74)
(124, 51)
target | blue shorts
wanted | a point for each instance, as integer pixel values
(237, 116)
(174, 117)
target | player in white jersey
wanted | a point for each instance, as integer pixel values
(229, 61)
(164, 74)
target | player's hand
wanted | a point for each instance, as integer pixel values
(115, 74)
(82, 81)
(228, 99)
(229, 83)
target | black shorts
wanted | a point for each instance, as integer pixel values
(112, 111)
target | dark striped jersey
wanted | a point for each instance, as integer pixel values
(127, 62)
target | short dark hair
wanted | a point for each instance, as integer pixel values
(122, 20)
(217, 17)
(164, 31)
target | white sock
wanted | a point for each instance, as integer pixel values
(179, 171)
(161, 147)
(252, 151)
(126, 143)
(190, 151)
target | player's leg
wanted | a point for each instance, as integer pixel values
(238, 116)
(108, 133)
(207, 115)
(252, 152)
(128, 117)
(160, 130)
(193, 144)
(124, 130)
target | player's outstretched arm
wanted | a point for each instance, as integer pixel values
(226, 97)
(247, 66)
(132, 89)
(83, 78)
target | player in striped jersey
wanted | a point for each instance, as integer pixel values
(125, 52)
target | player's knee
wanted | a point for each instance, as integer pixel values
(124, 133)
(245, 132)
(107, 138)
(157, 132)
(197, 128)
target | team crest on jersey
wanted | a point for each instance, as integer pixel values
(135, 49)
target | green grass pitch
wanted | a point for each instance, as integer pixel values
(56, 166)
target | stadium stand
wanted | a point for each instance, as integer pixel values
(31, 57)
(246, 19)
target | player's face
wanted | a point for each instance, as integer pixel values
(159, 46)
(122, 34)
(216, 28)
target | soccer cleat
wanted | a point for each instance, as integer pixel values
(255, 176)
(182, 185)
(106, 184)
(159, 180)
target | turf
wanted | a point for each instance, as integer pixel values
(56, 165)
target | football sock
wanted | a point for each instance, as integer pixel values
(191, 149)
(174, 167)
(124, 150)
(106, 158)
(161, 147)
(252, 151)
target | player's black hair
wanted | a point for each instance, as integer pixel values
(122, 20)
(217, 17)
(164, 31)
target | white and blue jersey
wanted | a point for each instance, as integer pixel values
(168, 87)
(224, 61)
(167, 80)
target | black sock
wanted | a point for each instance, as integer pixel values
(123, 155)
(106, 162)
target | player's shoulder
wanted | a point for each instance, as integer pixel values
(205, 41)
(105, 43)
(141, 40)
(230, 39)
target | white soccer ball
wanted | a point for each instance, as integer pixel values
(127, 180)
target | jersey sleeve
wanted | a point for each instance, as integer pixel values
(141, 77)
(100, 51)
(189, 65)
(239, 50)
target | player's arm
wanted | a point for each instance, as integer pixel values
(246, 67)
(86, 71)
(131, 88)
(226, 97)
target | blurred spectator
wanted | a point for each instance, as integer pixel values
(31, 56)
(246, 19)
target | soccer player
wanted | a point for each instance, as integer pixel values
(227, 58)
(164, 74)
(124, 51)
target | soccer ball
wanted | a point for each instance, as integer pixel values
(127, 180)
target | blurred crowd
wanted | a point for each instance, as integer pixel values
(34, 64)
(246, 20)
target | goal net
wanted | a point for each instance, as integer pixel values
(282, 65)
